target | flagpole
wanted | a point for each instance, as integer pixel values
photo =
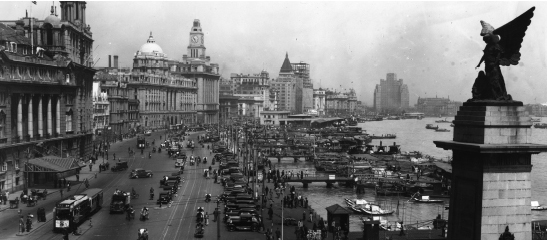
(31, 32)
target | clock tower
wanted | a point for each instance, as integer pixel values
(196, 48)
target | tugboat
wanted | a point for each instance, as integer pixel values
(430, 126)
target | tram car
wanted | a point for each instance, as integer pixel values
(72, 212)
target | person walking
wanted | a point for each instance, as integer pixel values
(61, 191)
(311, 217)
(304, 216)
(270, 213)
(278, 233)
(77, 177)
(206, 219)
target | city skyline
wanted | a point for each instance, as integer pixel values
(434, 47)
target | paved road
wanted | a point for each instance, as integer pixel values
(170, 222)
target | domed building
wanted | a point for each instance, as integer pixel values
(165, 99)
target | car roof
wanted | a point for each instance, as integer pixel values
(137, 169)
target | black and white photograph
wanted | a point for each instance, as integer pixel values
(275, 120)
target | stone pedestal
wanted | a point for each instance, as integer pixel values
(491, 183)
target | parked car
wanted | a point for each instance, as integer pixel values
(140, 173)
(148, 133)
(164, 198)
(243, 222)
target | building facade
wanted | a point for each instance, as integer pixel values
(113, 81)
(101, 109)
(391, 95)
(437, 106)
(342, 104)
(319, 101)
(45, 97)
(166, 97)
(273, 117)
(197, 66)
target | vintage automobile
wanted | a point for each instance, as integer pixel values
(148, 133)
(120, 166)
(243, 222)
(163, 181)
(180, 163)
(140, 173)
(165, 198)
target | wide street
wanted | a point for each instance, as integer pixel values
(169, 222)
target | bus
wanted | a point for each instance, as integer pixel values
(141, 142)
(73, 211)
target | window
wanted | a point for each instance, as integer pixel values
(4, 166)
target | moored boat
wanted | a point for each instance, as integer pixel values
(537, 207)
(540, 125)
(430, 126)
(442, 130)
(425, 199)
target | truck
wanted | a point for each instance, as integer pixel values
(119, 201)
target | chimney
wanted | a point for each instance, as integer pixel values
(109, 61)
(116, 61)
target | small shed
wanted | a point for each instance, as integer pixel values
(339, 216)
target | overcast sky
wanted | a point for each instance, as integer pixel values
(433, 46)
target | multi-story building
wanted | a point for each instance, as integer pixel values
(319, 98)
(166, 97)
(437, 106)
(227, 102)
(537, 110)
(305, 99)
(340, 104)
(286, 90)
(197, 66)
(391, 95)
(113, 81)
(273, 117)
(45, 97)
(101, 106)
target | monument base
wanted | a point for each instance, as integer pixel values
(491, 182)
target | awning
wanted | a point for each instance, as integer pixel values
(52, 164)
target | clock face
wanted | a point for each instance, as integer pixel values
(195, 39)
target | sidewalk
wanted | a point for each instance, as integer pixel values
(76, 186)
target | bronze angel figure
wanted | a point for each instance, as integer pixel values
(502, 48)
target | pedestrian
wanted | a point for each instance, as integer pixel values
(77, 177)
(206, 219)
(215, 214)
(270, 213)
(114, 156)
(278, 233)
(64, 182)
(21, 224)
(90, 166)
(311, 217)
(61, 191)
(306, 203)
(68, 187)
(304, 216)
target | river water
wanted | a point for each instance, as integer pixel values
(412, 136)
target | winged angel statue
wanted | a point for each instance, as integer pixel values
(502, 48)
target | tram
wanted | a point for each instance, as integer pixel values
(141, 142)
(73, 211)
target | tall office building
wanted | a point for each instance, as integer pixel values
(391, 94)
